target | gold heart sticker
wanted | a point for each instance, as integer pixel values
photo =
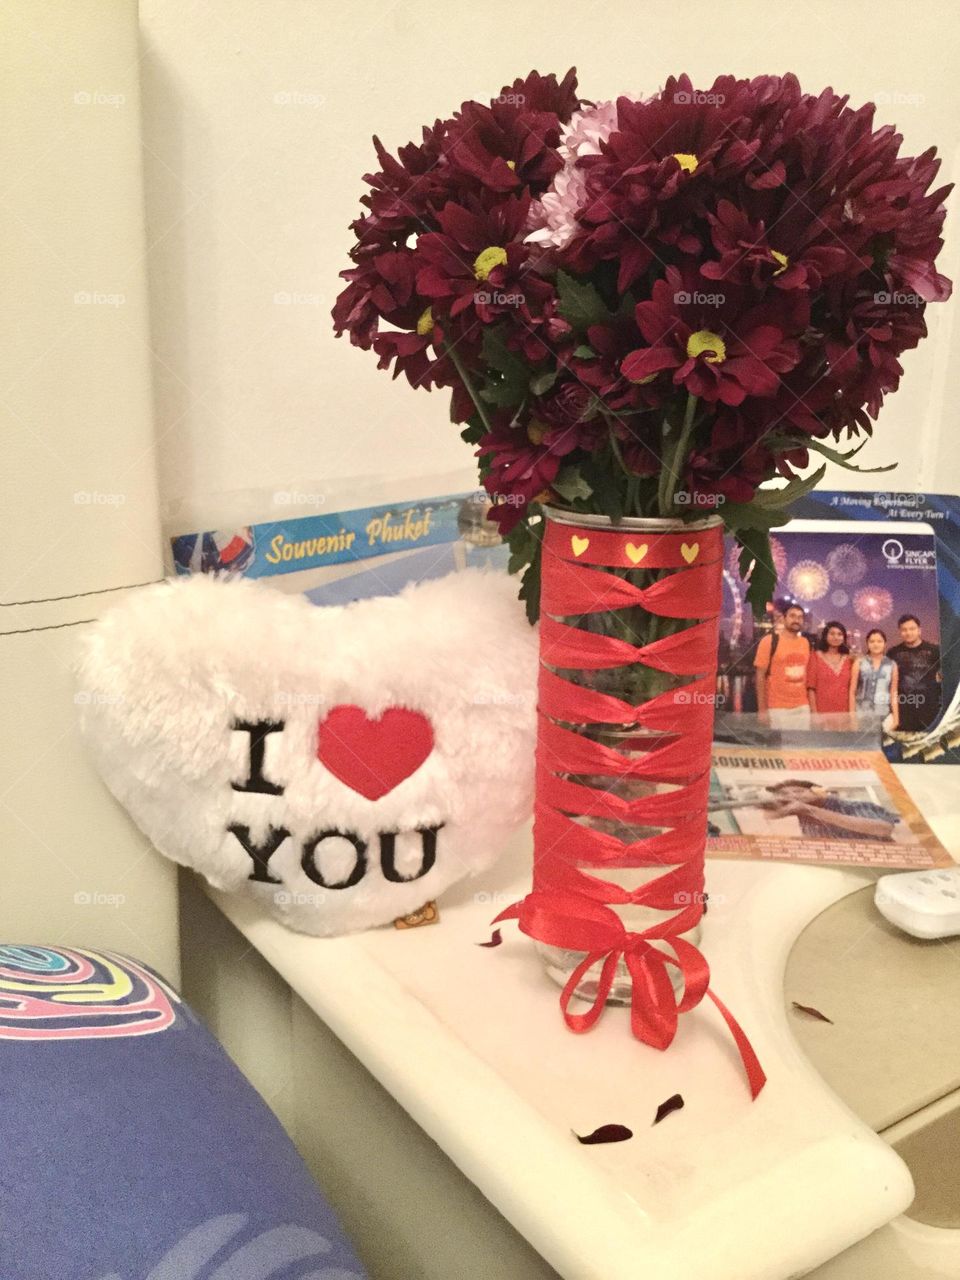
(689, 551)
(636, 553)
(579, 545)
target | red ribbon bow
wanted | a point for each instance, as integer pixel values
(567, 920)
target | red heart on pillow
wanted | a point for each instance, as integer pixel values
(373, 756)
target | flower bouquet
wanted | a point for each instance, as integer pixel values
(645, 311)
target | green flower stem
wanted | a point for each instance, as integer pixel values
(631, 506)
(465, 379)
(634, 682)
(615, 449)
(671, 472)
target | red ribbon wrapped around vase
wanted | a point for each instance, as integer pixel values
(628, 655)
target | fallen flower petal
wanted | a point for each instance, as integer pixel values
(811, 1012)
(606, 1133)
(674, 1103)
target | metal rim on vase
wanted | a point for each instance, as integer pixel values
(652, 524)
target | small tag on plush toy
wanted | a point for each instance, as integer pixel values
(428, 914)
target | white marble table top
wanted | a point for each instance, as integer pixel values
(471, 1042)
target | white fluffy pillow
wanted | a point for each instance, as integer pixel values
(345, 765)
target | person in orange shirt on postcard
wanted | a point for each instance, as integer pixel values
(781, 665)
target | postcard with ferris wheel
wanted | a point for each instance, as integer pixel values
(859, 648)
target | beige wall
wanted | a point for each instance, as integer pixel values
(78, 486)
(258, 124)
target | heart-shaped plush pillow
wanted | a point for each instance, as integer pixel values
(344, 764)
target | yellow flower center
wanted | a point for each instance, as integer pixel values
(686, 161)
(511, 164)
(709, 345)
(425, 323)
(782, 259)
(535, 432)
(487, 259)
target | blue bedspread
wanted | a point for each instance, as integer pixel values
(131, 1147)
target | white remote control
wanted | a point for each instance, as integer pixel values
(925, 904)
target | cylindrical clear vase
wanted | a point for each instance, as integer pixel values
(633, 774)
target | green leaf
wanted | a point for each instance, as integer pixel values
(584, 352)
(756, 568)
(627, 305)
(541, 383)
(750, 515)
(495, 351)
(473, 432)
(525, 548)
(784, 444)
(789, 492)
(607, 481)
(571, 485)
(521, 542)
(518, 560)
(580, 303)
(504, 393)
(507, 374)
